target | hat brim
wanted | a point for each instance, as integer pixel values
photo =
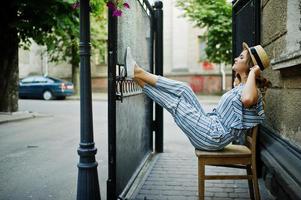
(245, 46)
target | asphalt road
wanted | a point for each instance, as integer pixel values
(38, 157)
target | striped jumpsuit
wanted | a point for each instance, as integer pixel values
(206, 131)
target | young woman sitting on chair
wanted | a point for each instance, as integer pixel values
(238, 110)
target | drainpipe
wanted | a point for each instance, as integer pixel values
(222, 67)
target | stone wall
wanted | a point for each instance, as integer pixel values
(281, 37)
(280, 136)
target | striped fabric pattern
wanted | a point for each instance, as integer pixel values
(234, 115)
(206, 131)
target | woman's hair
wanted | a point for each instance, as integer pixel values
(262, 83)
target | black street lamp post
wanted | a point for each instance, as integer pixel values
(87, 182)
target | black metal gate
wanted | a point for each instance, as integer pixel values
(245, 28)
(130, 112)
(245, 24)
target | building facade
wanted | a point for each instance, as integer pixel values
(185, 57)
(35, 61)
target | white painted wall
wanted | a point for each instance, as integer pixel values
(33, 61)
(181, 45)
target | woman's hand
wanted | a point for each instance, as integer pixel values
(249, 94)
(256, 70)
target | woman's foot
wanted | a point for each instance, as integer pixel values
(130, 63)
(137, 71)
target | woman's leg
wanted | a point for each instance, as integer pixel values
(147, 82)
(164, 99)
(181, 90)
(167, 85)
(144, 76)
(190, 118)
(194, 124)
(140, 82)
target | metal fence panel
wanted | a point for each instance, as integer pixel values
(131, 117)
(246, 24)
(245, 28)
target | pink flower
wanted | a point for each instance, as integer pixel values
(111, 5)
(126, 5)
(116, 6)
(117, 13)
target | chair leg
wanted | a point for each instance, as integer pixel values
(255, 182)
(250, 182)
(201, 171)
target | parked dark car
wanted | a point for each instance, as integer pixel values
(45, 87)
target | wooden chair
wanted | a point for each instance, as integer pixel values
(234, 156)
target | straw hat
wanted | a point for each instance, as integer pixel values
(258, 55)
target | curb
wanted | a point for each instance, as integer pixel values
(6, 117)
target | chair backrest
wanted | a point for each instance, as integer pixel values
(251, 138)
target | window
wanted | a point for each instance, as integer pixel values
(51, 79)
(40, 80)
(28, 80)
(202, 46)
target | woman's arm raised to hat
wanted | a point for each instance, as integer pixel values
(249, 94)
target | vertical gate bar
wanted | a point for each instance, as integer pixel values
(112, 62)
(257, 14)
(152, 29)
(257, 21)
(233, 38)
(87, 182)
(159, 71)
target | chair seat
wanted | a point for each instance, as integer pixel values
(229, 151)
(238, 156)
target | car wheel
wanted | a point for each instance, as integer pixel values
(47, 95)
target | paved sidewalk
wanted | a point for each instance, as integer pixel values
(174, 176)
